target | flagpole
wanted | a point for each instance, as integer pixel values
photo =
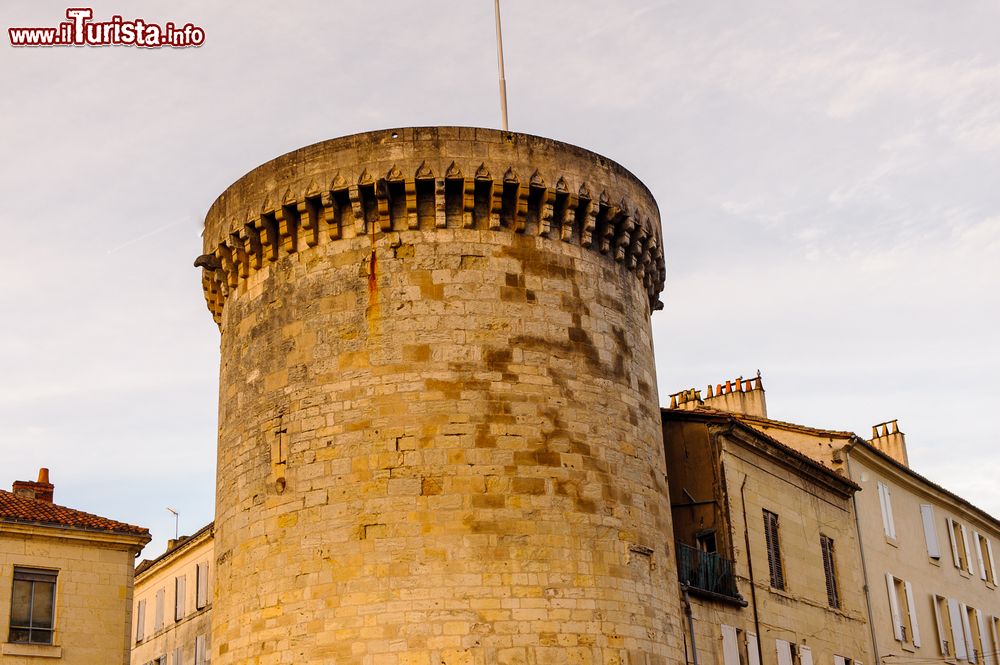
(503, 83)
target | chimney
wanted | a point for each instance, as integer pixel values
(739, 395)
(41, 490)
(887, 438)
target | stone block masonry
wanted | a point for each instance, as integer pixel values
(439, 438)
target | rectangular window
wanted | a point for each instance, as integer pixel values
(200, 650)
(201, 581)
(959, 544)
(930, 531)
(967, 621)
(984, 553)
(158, 612)
(805, 655)
(180, 591)
(904, 624)
(33, 605)
(730, 645)
(140, 621)
(784, 651)
(773, 550)
(885, 500)
(830, 570)
(942, 621)
(178, 656)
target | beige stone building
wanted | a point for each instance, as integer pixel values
(65, 580)
(767, 549)
(440, 440)
(926, 553)
(172, 603)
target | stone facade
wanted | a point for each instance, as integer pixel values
(172, 607)
(439, 434)
(91, 560)
(724, 478)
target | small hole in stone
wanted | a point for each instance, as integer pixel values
(395, 135)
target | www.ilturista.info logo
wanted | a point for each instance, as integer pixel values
(80, 30)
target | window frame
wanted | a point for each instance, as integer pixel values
(830, 571)
(34, 576)
(772, 540)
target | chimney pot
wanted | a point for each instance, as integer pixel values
(43, 475)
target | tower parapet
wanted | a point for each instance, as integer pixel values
(439, 434)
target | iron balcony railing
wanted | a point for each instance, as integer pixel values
(706, 571)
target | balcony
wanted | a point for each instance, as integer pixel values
(707, 574)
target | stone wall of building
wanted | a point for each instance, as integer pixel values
(93, 593)
(439, 432)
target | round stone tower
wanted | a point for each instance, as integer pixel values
(439, 431)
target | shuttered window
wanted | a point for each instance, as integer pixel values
(753, 649)
(158, 614)
(784, 652)
(200, 650)
(773, 550)
(180, 592)
(178, 656)
(943, 624)
(805, 655)
(140, 621)
(830, 570)
(885, 500)
(930, 531)
(202, 585)
(730, 645)
(957, 632)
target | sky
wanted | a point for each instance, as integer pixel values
(827, 176)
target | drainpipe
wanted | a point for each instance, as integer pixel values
(753, 587)
(861, 548)
(690, 617)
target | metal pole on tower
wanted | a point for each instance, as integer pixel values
(503, 82)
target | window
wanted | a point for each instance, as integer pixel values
(945, 630)
(904, 624)
(972, 620)
(162, 660)
(930, 531)
(158, 612)
(706, 541)
(773, 550)
(140, 621)
(730, 646)
(201, 582)
(32, 606)
(784, 651)
(959, 538)
(180, 591)
(829, 569)
(984, 552)
(885, 500)
(200, 650)
(178, 656)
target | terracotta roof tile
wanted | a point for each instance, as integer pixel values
(23, 510)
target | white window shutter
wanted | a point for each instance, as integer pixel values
(897, 618)
(858, 662)
(784, 651)
(839, 660)
(911, 609)
(178, 656)
(987, 656)
(730, 646)
(930, 531)
(993, 569)
(970, 647)
(158, 615)
(957, 635)
(180, 594)
(199, 650)
(140, 621)
(939, 624)
(968, 552)
(753, 652)
(954, 543)
(805, 655)
(979, 555)
(202, 599)
(885, 499)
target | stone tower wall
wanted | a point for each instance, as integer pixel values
(440, 439)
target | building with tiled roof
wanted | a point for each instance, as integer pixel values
(66, 580)
(929, 571)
